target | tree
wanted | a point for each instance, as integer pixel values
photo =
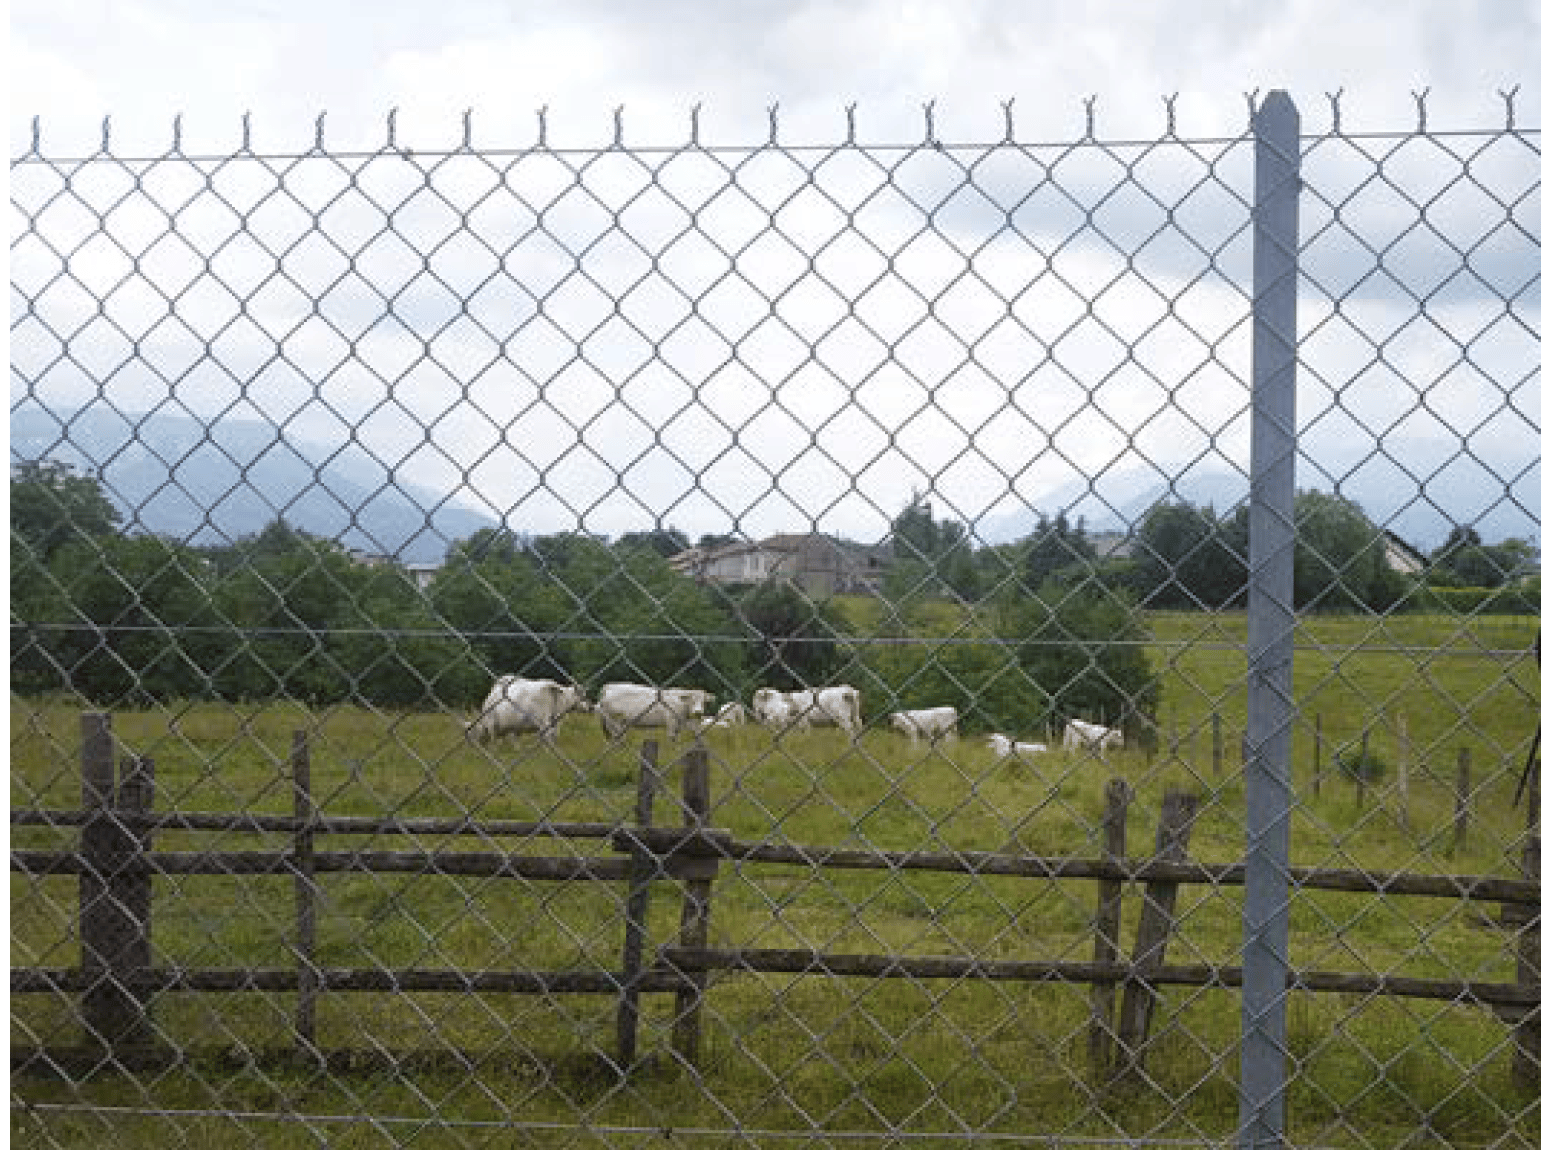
(929, 556)
(1082, 650)
(51, 505)
(664, 541)
(793, 644)
(1054, 550)
(1340, 557)
(1185, 557)
(1463, 560)
(140, 624)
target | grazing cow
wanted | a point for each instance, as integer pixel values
(728, 716)
(774, 710)
(1095, 738)
(933, 724)
(517, 704)
(1005, 747)
(623, 706)
(821, 707)
(731, 715)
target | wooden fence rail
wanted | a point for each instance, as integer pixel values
(115, 862)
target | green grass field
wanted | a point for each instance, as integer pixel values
(785, 1052)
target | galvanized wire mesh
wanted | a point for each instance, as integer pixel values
(310, 450)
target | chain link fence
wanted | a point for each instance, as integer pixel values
(792, 643)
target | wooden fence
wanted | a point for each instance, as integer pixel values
(117, 979)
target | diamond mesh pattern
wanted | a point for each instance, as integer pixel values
(309, 450)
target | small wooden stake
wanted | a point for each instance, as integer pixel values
(1462, 796)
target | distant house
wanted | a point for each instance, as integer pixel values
(1404, 558)
(421, 574)
(1112, 544)
(819, 564)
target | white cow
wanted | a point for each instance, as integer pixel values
(933, 724)
(623, 706)
(516, 704)
(731, 715)
(820, 707)
(1094, 737)
(1005, 747)
(774, 710)
(728, 716)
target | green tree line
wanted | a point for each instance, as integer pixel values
(1048, 628)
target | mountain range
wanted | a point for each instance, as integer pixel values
(211, 483)
(1418, 489)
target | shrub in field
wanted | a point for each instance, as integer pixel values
(1359, 764)
(1082, 648)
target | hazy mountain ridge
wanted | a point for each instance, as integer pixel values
(212, 483)
(1417, 489)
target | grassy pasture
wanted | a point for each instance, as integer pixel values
(799, 1053)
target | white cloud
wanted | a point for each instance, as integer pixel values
(814, 334)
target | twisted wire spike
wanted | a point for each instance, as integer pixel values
(176, 132)
(1171, 114)
(465, 125)
(106, 133)
(1420, 99)
(772, 112)
(1006, 112)
(620, 110)
(245, 131)
(1090, 103)
(695, 125)
(1508, 99)
(321, 131)
(540, 129)
(1335, 99)
(390, 130)
(850, 124)
(37, 134)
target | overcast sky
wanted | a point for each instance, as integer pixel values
(725, 418)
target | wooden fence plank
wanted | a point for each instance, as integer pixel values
(1527, 1032)
(695, 912)
(1115, 821)
(115, 897)
(694, 854)
(304, 894)
(1155, 930)
(644, 868)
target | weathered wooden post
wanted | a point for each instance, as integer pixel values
(304, 894)
(1157, 919)
(1404, 775)
(644, 868)
(695, 913)
(1462, 797)
(115, 896)
(1362, 769)
(1527, 1033)
(1316, 760)
(1115, 820)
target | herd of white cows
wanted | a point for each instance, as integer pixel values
(516, 705)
